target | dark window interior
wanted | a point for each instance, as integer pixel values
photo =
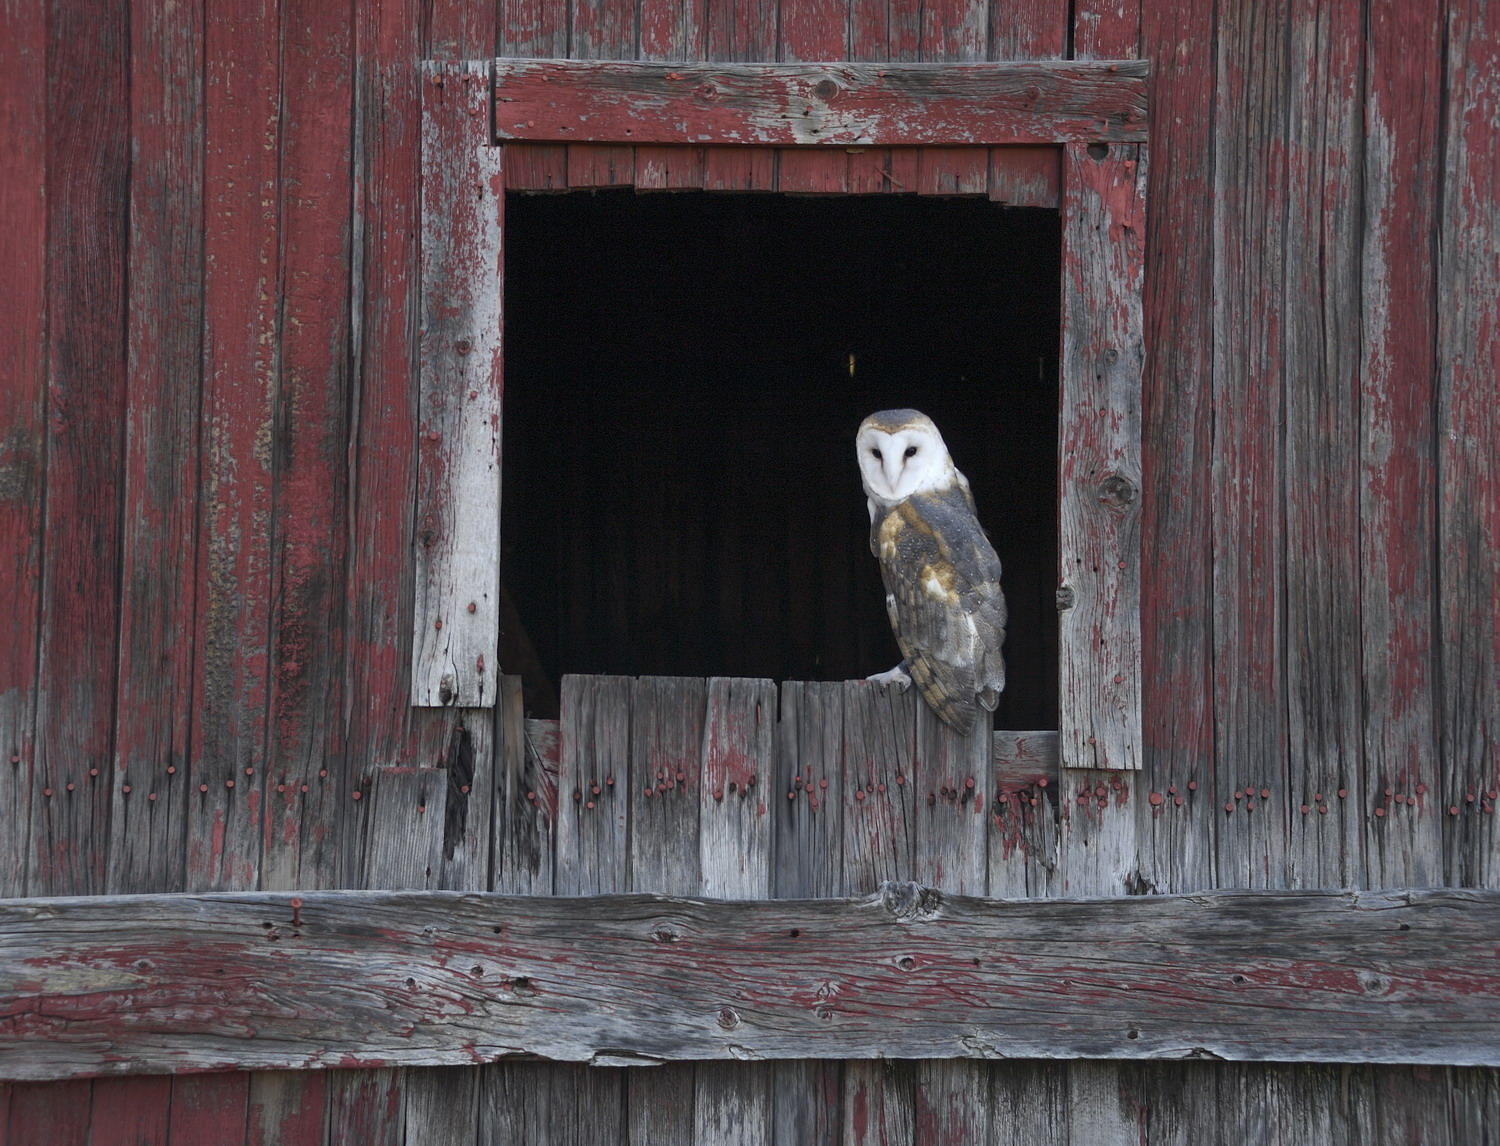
(684, 374)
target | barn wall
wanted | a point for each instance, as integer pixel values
(207, 225)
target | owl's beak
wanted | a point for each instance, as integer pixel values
(893, 465)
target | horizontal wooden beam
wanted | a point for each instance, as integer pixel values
(176, 983)
(838, 104)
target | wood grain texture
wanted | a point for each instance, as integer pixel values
(456, 625)
(87, 195)
(830, 104)
(1247, 502)
(153, 716)
(1320, 331)
(1175, 836)
(1397, 494)
(1100, 476)
(1468, 425)
(382, 978)
(311, 509)
(23, 297)
(241, 363)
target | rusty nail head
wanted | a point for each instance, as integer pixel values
(356, 794)
(95, 771)
(473, 608)
(203, 787)
(1343, 792)
(70, 785)
(1192, 785)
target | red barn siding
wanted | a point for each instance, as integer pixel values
(207, 228)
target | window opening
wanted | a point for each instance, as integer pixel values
(684, 375)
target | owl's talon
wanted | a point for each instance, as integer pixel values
(897, 676)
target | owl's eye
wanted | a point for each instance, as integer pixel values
(875, 452)
(911, 451)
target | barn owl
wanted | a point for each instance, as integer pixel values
(942, 578)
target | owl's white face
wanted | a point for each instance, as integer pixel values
(899, 458)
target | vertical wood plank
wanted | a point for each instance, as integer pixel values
(165, 321)
(1100, 477)
(516, 1103)
(806, 1097)
(127, 1111)
(593, 841)
(23, 296)
(87, 195)
(1321, 329)
(952, 1098)
(1248, 589)
(525, 799)
(1468, 425)
(210, 1108)
(1025, 176)
(367, 1106)
(732, 1100)
(457, 30)
(1176, 578)
(1025, 31)
(1098, 846)
(386, 281)
(457, 613)
(668, 735)
(878, 787)
(588, 1104)
(299, 839)
(49, 1113)
(301, 812)
(287, 1108)
(879, 802)
(1398, 534)
(240, 363)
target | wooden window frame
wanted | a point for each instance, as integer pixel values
(1094, 113)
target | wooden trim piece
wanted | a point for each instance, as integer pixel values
(831, 104)
(1099, 595)
(456, 624)
(188, 983)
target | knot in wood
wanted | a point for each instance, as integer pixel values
(664, 934)
(1117, 491)
(825, 89)
(910, 901)
(708, 91)
(1065, 597)
(728, 1018)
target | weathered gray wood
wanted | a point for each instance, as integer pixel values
(592, 839)
(879, 805)
(809, 858)
(455, 657)
(838, 104)
(1468, 465)
(525, 797)
(667, 739)
(132, 984)
(1104, 223)
(732, 1101)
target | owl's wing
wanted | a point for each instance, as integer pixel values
(942, 581)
